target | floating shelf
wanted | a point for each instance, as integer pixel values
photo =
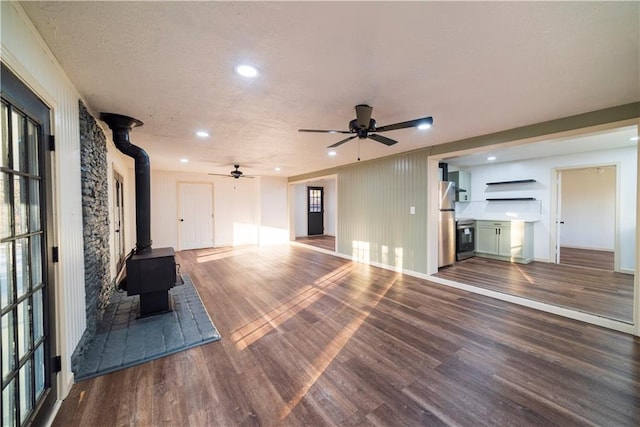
(509, 199)
(520, 181)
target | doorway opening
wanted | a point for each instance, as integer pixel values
(586, 217)
(326, 200)
(604, 297)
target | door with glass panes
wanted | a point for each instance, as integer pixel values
(315, 214)
(28, 380)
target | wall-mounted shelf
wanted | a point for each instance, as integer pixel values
(510, 199)
(520, 181)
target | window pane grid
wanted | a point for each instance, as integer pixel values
(24, 341)
(315, 200)
(4, 143)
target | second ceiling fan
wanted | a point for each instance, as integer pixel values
(236, 173)
(363, 126)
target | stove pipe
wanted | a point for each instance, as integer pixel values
(121, 125)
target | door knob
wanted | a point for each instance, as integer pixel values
(181, 220)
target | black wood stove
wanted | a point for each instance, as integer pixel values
(147, 272)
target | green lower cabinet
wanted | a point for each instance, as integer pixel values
(505, 240)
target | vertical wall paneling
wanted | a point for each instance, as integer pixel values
(26, 54)
(330, 207)
(374, 210)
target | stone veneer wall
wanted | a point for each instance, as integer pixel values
(95, 219)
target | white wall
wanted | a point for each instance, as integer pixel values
(26, 54)
(589, 208)
(300, 208)
(542, 171)
(234, 208)
(274, 223)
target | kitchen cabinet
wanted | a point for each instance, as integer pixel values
(462, 180)
(505, 240)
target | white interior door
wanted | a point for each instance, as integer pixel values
(195, 221)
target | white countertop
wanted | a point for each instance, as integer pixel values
(505, 218)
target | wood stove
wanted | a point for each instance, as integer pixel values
(147, 272)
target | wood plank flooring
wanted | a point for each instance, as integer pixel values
(313, 339)
(587, 258)
(322, 241)
(599, 292)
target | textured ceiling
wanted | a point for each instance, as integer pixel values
(476, 67)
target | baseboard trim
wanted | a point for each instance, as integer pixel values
(53, 413)
(585, 248)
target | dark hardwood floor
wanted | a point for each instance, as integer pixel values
(603, 260)
(324, 242)
(313, 339)
(594, 291)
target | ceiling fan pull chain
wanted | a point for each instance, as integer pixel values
(358, 149)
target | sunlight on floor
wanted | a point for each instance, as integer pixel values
(215, 254)
(309, 294)
(332, 350)
(525, 275)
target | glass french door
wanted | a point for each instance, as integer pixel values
(24, 293)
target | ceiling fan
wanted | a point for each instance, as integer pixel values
(236, 173)
(363, 126)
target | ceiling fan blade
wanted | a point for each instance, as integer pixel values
(383, 139)
(403, 125)
(219, 174)
(324, 131)
(363, 115)
(342, 142)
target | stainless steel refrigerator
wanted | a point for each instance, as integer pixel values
(447, 228)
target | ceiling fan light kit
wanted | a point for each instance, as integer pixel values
(364, 127)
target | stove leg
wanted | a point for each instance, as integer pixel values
(152, 303)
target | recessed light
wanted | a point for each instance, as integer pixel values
(202, 134)
(247, 71)
(184, 160)
(424, 126)
(277, 169)
(635, 138)
(332, 153)
(491, 158)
